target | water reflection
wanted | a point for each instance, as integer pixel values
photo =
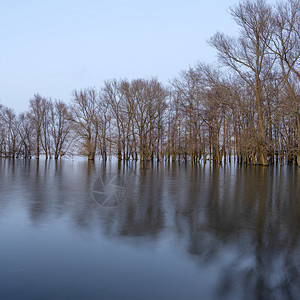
(241, 223)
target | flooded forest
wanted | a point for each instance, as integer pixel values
(245, 107)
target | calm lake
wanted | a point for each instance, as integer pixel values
(79, 230)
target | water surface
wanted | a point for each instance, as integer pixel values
(174, 231)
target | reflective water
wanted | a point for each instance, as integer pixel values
(78, 230)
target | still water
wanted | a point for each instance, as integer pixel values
(79, 230)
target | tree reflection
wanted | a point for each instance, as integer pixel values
(243, 221)
(241, 216)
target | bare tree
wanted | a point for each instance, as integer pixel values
(60, 128)
(146, 99)
(249, 57)
(37, 111)
(286, 45)
(10, 138)
(25, 130)
(85, 119)
(114, 98)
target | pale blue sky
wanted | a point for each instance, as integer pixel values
(54, 47)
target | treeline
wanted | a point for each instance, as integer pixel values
(246, 108)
